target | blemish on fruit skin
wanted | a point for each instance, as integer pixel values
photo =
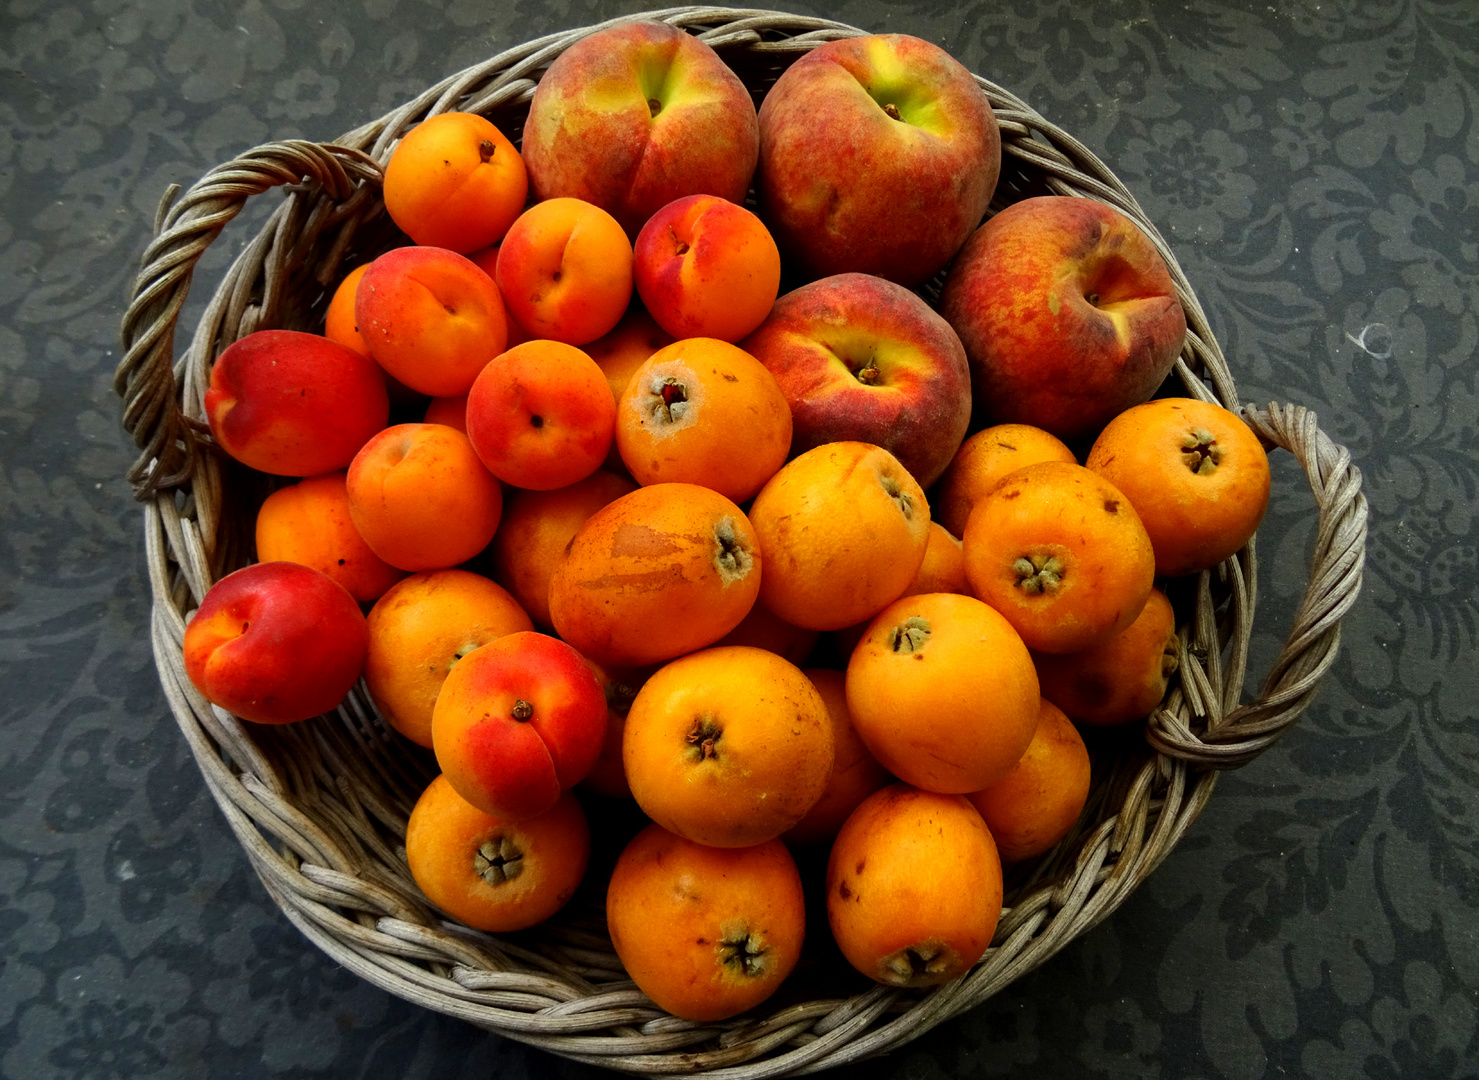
(843, 891)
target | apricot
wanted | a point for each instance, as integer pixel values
(339, 324)
(1061, 553)
(626, 347)
(1034, 806)
(914, 887)
(490, 872)
(275, 643)
(420, 629)
(1121, 679)
(421, 498)
(294, 404)
(309, 522)
(537, 527)
(844, 529)
(451, 411)
(728, 746)
(620, 685)
(1195, 473)
(455, 181)
(764, 629)
(431, 318)
(565, 270)
(856, 773)
(943, 692)
(705, 932)
(540, 416)
(706, 267)
(702, 411)
(657, 573)
(981, 463)
(518, 721)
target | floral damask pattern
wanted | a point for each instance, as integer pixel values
(1315, 167)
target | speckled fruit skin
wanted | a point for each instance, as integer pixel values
(1067, 313)
(845, 186)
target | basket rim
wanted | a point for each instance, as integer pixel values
(317, 868)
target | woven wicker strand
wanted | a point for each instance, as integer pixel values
(320, 808)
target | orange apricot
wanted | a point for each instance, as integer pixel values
(565, 270)
(451, 411)
(626, 347)
(728, 746)
(1034, 806)
(702, 411)
(943, 569)
(655, 574)
(455, 181)
(492, 873)
(1061, 553)
(309, 522)
(1118, 680)
(856, 773)
(339, 323)
(540, 416)
(943, 692)
(705, 932)
(764, 629)
(914, 887)
(420, 629)
(537, 527)
(981, 463)
(1195, 473)
(844, 529)
(421, 498)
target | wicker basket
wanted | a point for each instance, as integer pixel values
(321, 807)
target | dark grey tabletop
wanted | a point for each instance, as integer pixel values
(1315, 166)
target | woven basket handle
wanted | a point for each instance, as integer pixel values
(1241, 734)
(169, 441)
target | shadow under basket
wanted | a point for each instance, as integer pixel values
(321, 806)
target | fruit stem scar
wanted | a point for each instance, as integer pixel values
(1092, 298)
(893, 111)
(619, 697)
(869, 374)
(485, 150)
(1200, 451)
(498, 859)
(703, 736)
(910, 635)
(654, 106)
(535, 420)
(733, 560)
(522, 710)
(898, 495)
(743, 951)
(680, 247)
(1038, 574)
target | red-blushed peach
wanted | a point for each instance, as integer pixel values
(275, 643)
(635, 116)
(861, 359)
(1067, 313)
(540, 415)
(565, 270)
(517, 722)
(294, 404)
(431, 318)
(877, 154)
(455, 181)
(707, 268)
(421, 498)
(309, 522)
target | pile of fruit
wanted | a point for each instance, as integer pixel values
(626, 520)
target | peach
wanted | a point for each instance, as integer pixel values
(877, 154)
(455, 181)
(518, 721)
(705, 267)
(540, 417)
(702, 411)
(420, 629)
(565, 271)
(635, 116)
(431, 318)
(861, 359)
(981, 463)
(1067, 313)
(421, 498)
(294, 404)
(657, 573)
(309, 522)
(537, 527)
(275, 643)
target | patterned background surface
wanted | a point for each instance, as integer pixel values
(1315, 165)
